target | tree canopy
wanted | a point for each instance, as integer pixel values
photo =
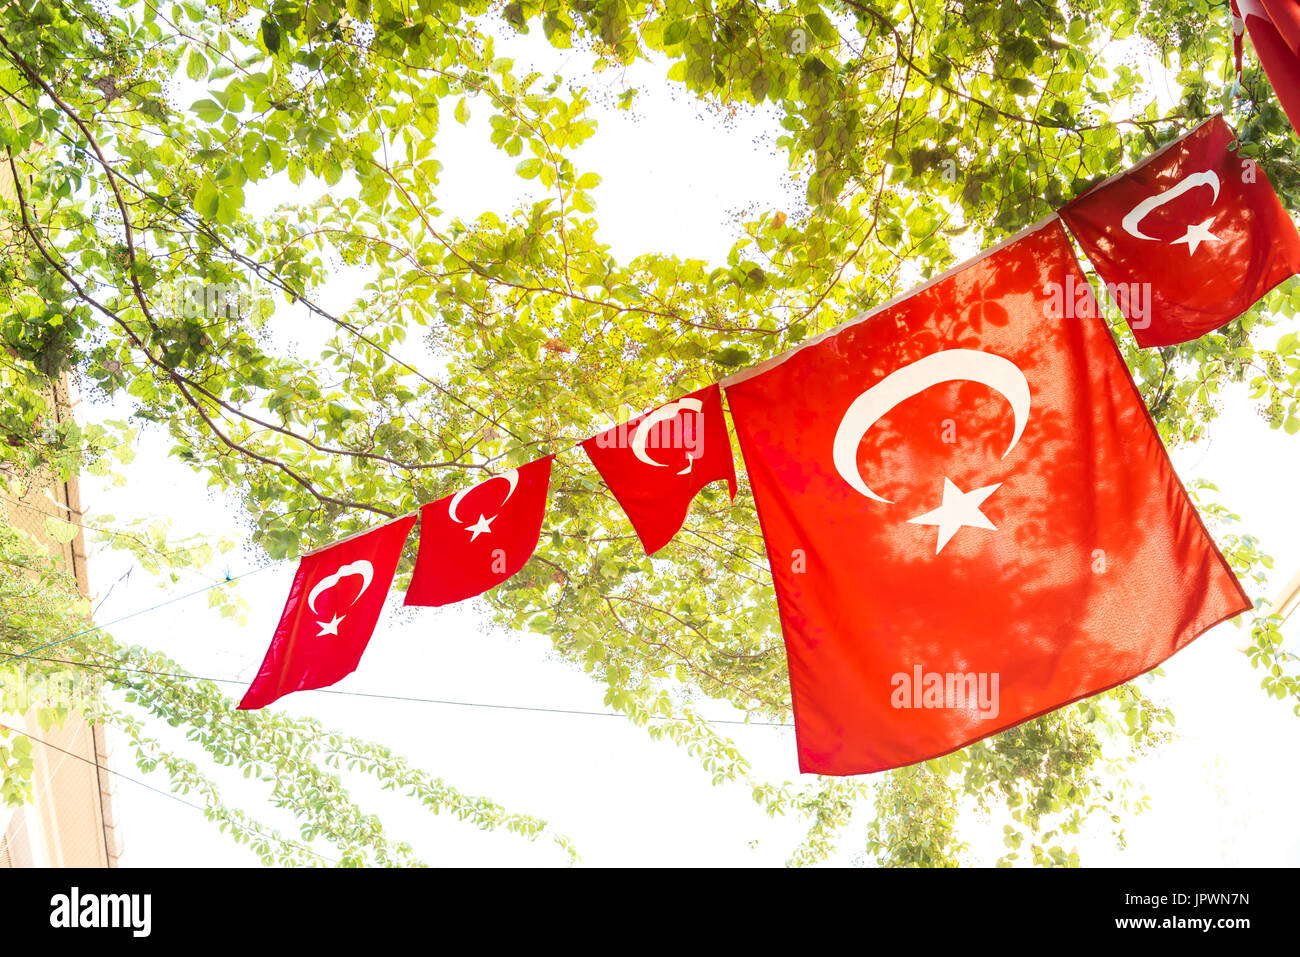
(917, 131)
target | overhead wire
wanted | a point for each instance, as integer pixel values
(143, 611)
(96, 764)
(125, 777)
(31, 654)
(404, 698)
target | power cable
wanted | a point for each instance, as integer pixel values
(407, 698)
(142, 611)
(31, 655)
(85, 760)
(124, 777)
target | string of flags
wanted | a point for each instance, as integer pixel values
(968, 514)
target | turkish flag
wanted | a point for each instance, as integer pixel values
(1274, 28)
(333, 606)
(655, 463)
(1188, 239)
(969, 517)
(476, 539)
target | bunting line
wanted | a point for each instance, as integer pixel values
(1209, 142)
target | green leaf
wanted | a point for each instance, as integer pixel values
(207, 110)
(207, 199)
(271, 35)
(60, 531)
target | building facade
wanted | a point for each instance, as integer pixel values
(71, 820)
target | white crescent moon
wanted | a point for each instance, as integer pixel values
(951, 365)
(1132, 223)
(511, 476)
(362, 568)
(661, 414)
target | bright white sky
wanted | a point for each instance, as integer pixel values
(1223, 793)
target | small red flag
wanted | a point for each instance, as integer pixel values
(1274, 29)
(656, 463)
(333, 606)
(969, 516)
(1188, 239)
(476, 539)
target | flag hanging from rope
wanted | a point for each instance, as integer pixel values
(476, 539)
(969, 517)
(1188, 239)
(656, 463)
(334, 603)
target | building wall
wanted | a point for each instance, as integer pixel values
(71, 821)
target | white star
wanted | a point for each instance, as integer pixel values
(1196, 234)
(330, 627)
(482, 526)
(959, 508)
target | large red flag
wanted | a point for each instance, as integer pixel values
(969, 516)
(476, 539)
(1274, 28)
(655, 463)
(327, 622)
(1188, 239)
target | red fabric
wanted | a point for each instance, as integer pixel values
(1200, 261)
(1274, 29)
(333, 605)
(1285, 18)
(476, 539)
(1097, 568)
(655, 463)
